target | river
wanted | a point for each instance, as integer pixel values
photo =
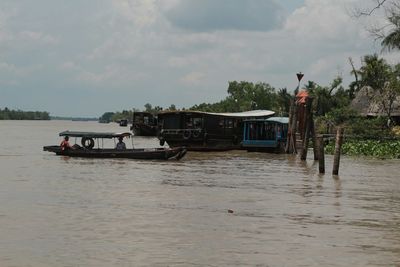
(209, 209)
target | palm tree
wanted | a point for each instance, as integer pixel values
(392, 39)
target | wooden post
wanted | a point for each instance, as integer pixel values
(314, 138)
(321, 154)
(338, 148)
(289, 136)
(307, 116)
(294, 129)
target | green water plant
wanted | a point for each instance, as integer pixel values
(389, 148)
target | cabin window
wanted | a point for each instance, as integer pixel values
(269, 131)
(197, 123)
(194, 122)
(188, 122)
(252, 131)
(229, 123)
(226, 123)
(171, 122)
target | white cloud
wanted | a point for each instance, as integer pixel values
(323, 20)
(141, 12)
(69, 65)
(212, 15)
(39, 37)
(110, 77)
(193, 78)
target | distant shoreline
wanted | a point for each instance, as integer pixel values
(73, 118)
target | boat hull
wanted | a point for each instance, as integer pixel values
(155, 153)
(210, 145)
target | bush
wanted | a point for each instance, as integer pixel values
(374, 148)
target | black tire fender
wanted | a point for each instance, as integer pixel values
(186, 134)
(196, 133)
(87, 142)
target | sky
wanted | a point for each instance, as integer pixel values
(82, 58)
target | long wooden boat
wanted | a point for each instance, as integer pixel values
(265, 135)
(144, 124)
(88, 150)
(204, 131)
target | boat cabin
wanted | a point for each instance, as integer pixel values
(93, 140)
(204, 131)
(144, 124)
(123, 123)
(265, 134)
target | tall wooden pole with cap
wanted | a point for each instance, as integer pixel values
(291, 140)
(299, 77)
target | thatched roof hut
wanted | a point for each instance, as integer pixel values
(365, 104)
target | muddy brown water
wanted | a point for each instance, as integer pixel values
(209, 209)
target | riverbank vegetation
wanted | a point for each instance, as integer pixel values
(9, 114)
(385, 148)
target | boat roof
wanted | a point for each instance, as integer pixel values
(283, 120)
(245, 114)
(93, 134)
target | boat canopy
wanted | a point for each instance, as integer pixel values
(94, 134)
(282, 120)
(245, 114)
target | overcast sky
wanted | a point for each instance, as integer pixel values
(86, 57)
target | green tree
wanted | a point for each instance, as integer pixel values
(244, 96)
(283, 102)
(389, 33)
(148, 107)
(391, 40)
(327, 98)
(172, 108)
(106, 117)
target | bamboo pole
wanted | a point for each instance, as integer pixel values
(321, 154)
(338, 148)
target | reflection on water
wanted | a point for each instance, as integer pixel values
(209, 209)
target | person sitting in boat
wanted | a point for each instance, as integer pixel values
(120, 145)
(65, 144)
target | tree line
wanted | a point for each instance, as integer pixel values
(9, 114)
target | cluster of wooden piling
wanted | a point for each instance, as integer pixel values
(298, 137)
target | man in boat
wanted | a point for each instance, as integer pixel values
(120, 145)
(65, 144)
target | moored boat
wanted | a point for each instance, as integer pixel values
(87, 148)
(265, 135)
(205, 131)
(123, 123)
